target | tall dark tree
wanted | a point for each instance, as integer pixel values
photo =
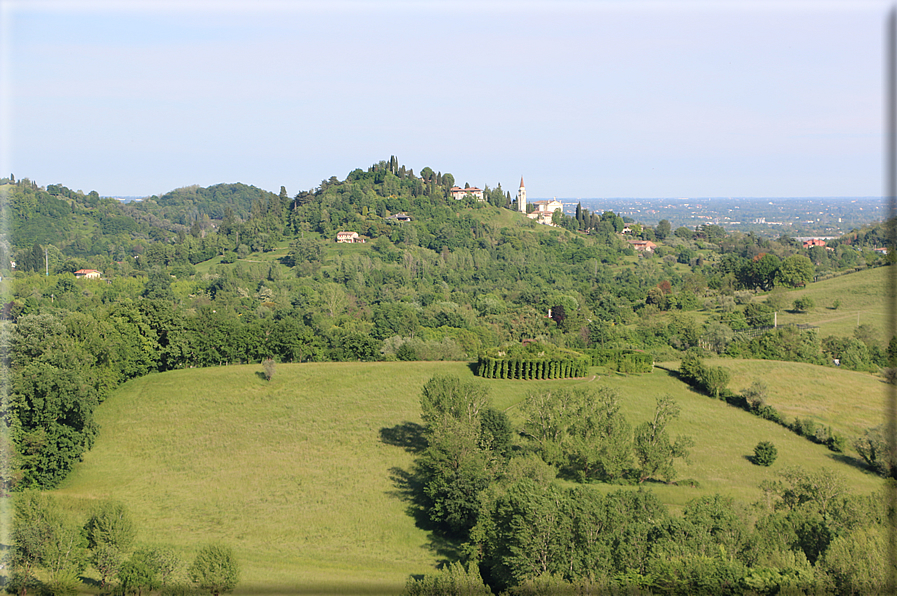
(34, 260)
(558, 314)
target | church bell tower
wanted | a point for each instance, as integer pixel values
(521, 197)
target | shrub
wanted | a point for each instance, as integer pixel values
(406, 353)
(873, 448)
(215, 570)
(836, 443)
(269, 368)
(755, 395)
(804, 304)
(805, 428)
(765, 453)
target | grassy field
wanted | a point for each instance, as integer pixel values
(848, 401)
(295, 475)
(864, 300)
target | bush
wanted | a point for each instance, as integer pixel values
(804, 304)
(269, 366)
(756, 395)
(765, 453)
(215, 570)
(873, 448)
(406, 353)
(836, 443)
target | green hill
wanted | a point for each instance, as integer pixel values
(848, 401)
(295, 473)
(862, 298)
(184, 205)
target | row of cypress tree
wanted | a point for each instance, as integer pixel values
(521, 367)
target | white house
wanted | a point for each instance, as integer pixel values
(87, 274)
(349, 238)
(459, 193)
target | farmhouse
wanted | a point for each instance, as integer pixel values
(87, 274)
(643, 245)
(814, 242)
(350, 238)
(459, 193)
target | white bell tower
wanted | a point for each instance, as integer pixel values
(521, 197)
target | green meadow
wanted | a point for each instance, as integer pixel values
(295, 474)
(864, 298)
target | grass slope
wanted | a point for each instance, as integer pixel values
(864, 300)
(294, 475)
(848, 401)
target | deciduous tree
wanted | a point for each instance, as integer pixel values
(653, 449)
(215, 569)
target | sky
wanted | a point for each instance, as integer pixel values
(583, 99)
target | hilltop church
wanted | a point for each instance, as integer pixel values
(544, 210)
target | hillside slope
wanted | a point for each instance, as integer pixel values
(295, 475)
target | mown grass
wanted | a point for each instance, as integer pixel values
(848, 401)
(296, 476)
(863, 298)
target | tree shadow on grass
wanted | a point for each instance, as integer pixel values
(91, 582)
(409, 489)
(855, 462)
(261, 375)
(407, 435)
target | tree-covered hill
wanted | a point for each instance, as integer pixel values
(186, 205)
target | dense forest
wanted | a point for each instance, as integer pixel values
(232, 274)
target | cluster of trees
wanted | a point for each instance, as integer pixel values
(46, 539)
(584, 435)
(532, 361)
(580, 434)
(523, 532)
(862, 352)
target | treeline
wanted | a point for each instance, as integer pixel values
(524, 533)
(532, 361)
(50, 551)
(63, 364)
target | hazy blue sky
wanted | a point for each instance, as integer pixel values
(584, 99)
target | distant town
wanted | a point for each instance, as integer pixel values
(796, 217)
